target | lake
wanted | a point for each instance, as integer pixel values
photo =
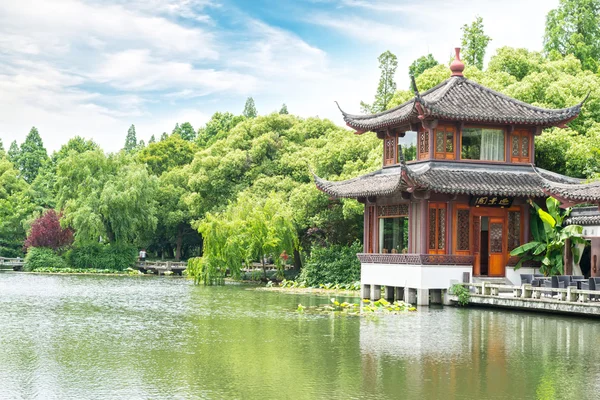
(107, 337)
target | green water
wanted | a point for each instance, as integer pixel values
(86, 337)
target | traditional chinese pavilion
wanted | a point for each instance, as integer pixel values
(459, 208)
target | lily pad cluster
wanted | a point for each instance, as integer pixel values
(368, 307)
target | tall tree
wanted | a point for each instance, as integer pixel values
(14, 152)
(474, 42)
(33, 155)
(421, 64)
(574, 28)
(283, 109)
(164, 136)
(186, 131)
(1, 146)
(250, 108)
(131, 139)
(387, 85)
(152, 139)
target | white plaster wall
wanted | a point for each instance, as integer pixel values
(514, 276)
(412, 276)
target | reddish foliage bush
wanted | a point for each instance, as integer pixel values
(47, 232)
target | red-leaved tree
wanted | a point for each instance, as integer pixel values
(47, 232)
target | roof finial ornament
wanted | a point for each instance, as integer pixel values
(414, 86)
(457, 66)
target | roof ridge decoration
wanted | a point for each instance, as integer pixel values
(457, 67)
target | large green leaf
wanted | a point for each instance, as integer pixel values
(523, 249)
(547, 219)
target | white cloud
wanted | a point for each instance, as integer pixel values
(137, 70)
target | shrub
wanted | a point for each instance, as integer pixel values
(40, 257)
(334, 264)
(102, 256)
(47, 232)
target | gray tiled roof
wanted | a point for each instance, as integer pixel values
(460, 99)
(583, 192)
(584, 216)
(450, 177)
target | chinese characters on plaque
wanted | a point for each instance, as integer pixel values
(491, 201)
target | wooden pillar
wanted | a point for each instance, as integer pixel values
(424, 221)
(366, 228)
(449, 227)
(568, 258)
(526, 219)
(431, 143)
(595, 257)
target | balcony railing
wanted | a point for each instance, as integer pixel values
(415, 259)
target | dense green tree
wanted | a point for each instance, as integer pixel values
(167, 154)
(1, 146)
(474, 43)
(152, 139)
(131, 140)
(250, 229)
(186, 131)
(516, 62)
(421, 64)
(15, 209)
(77, 145)
(106, 198)
(217, 128)
(250, 108)
(14, 152)
(283, 109)
(164, 136)
(574, 28)
(32, 156)
(174, 215)
(387, 84)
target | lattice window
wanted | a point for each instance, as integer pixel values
(463, 229)
(515, 146)
(437, 228)
(444, 142)
(423, 145)
(495, 238)
(514, 230)
(440, 139)
(393, 210)
(520, 142)
(441, 229)
(389, 151)
(432, 228)
(525, 146)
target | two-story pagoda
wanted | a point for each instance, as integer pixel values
(461, 206)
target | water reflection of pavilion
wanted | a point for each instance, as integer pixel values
(469, 353)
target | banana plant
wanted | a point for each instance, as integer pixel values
(549, 238)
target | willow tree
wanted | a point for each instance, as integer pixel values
(249, 230)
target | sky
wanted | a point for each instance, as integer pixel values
(92, 68)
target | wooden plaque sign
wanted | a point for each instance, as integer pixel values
(491, 201)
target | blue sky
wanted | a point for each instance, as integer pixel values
(92, 68)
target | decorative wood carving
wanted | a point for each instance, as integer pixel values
(416, 259)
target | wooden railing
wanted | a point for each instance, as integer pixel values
(12, 261)
(415, 259)
(570, 294)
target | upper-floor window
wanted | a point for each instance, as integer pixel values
(397, 144)
(482, 144)
(520, 146)
(444, 142)
(423, 144)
